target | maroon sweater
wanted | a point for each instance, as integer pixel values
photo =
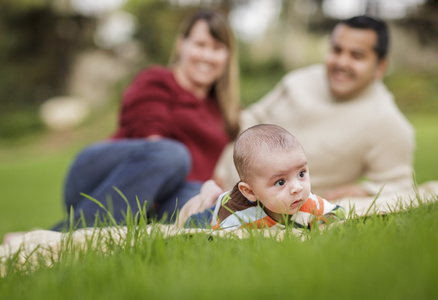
(156, 104)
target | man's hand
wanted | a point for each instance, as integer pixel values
(351, 190)
(219, 181)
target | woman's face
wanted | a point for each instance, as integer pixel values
(202, 59)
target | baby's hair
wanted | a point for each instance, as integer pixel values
(263, 138)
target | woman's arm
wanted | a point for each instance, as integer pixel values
(146, 106)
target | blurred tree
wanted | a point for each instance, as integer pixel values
(157, 26)
(36, 49)
(424, 22)
(308, 14)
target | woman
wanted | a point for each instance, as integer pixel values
(173, 126)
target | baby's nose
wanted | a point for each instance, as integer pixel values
(296, 188)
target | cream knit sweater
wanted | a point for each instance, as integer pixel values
(364, 139)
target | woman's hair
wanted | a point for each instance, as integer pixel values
(226, 88)
(260, 139)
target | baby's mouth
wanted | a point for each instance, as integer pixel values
(296, 203)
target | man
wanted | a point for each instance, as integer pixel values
(357, 141)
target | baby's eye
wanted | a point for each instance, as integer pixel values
(302, 174)
(280, 182)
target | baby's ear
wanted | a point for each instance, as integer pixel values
(247, 191)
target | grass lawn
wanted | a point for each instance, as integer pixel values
(391, 257)
(426, 158)
(30, 193)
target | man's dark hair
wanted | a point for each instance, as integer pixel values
(378, 26)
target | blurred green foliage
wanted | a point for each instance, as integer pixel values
(37, 47)
(257, 78)
(157, 28)
(18, 123)
(414, 91)
(24, 5)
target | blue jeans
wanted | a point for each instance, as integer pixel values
(153, 171)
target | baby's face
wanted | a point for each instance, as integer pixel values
(281, 181)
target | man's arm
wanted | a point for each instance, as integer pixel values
(388, 164)
(350, 190)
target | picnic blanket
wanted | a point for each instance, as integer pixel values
(46, 243)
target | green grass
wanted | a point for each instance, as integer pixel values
(32, 173)
(415, 91)
(31, 193)
(426, 159)
(380, 258)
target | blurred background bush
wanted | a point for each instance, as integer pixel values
(89, 50)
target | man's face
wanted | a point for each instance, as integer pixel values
(352, 64)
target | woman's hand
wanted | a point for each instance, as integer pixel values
(206, 198)
(154, 137)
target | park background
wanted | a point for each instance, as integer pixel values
(64, 56)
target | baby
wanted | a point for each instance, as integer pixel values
(274, 186)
